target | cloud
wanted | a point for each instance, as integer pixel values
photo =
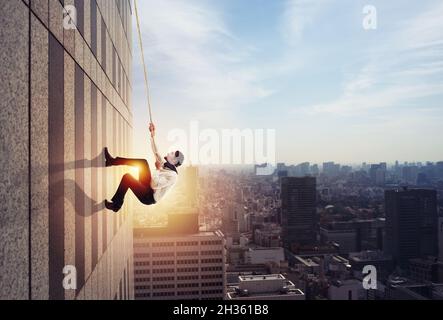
(406, 65)
(195, 58)
(299, 15)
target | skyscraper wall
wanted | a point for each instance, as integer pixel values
(66, 93)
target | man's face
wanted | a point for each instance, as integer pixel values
(170, 157)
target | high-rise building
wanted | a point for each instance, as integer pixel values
(66, 94)
(299, 216)
(411, 224)
(440, 239)
(176, 264)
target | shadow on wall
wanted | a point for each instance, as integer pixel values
(41, 171)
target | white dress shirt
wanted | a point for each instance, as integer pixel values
(163, 179)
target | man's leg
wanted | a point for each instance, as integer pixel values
(129, 182)
(142, 165)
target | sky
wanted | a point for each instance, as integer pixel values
(331, 90)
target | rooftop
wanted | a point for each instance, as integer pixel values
(262, 277)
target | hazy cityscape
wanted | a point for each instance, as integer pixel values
(304, 232)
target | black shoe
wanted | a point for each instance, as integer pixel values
(112, 206)
(109, 159)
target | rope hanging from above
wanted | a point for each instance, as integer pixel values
(145, 70)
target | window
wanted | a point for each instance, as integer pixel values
(163, 263)
(163, 244)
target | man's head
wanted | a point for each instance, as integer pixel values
(176, 158)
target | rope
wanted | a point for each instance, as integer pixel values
(145, 70)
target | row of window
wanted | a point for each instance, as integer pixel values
(142, 295)
(187, 269)
(212, 276)
(180, 278)
(164, 286)
(187, 285)
(194, 261)
(211, 242)
(212, 253)
(142, 287)
(187, 243)
(212, 269)
(179, 270)
(163, 254)
(163, 271)
(163, 263)
(142, 271)
(212, 291)
(172, 262)
(163, 244)
(188, 277)
(212, 284)
(155, 279)
(179, 244)
(187, 253)
(187, 293)
(141, 279)
(211, 261)
(163, 294)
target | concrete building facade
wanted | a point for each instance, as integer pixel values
(178, 266)
(66, 93)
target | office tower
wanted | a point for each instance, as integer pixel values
(377, 173)
(232, 214)
(331, 169)
(440, 239)
(411, 224)
(66, 94)
(409, 174)
(299, 217)
(439, 169)
(179, 263)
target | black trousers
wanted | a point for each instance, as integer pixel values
(141, 187)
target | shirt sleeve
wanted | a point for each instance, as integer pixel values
(155, 151)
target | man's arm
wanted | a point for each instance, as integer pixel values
(158, 158)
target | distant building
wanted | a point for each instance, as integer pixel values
(264, 255)
(350, 289)
(424, 270)
(346, 239)
(170, 263)
(411, 224)
(264, 287)
(299, 216)
(440, 239)
(331, 169)
(382, 262)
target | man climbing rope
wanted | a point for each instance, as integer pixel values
(149, 189)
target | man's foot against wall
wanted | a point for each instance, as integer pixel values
(112, 206)
(108, 158)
